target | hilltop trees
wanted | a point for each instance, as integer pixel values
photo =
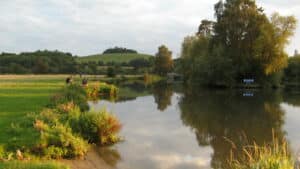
(242, 43)
(119, 50)
(163, 61)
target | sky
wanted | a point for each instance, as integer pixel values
(85, 27)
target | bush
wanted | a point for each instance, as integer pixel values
(59, 142)
(66, 131)
(92, 92)
(108, 90)
(98, 127)
(102, 89)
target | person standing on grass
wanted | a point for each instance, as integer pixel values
(69, 80)
(84, 82)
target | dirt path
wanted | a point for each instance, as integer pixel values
(93, 160)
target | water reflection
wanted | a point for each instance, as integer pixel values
(162, 93)
(110, 155)
(199, 128)
(227, 121)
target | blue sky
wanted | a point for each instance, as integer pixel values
(89, 26)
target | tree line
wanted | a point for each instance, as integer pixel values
(56, 62)
(39, 62)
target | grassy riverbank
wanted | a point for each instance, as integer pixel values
(20, 95)
(62, 130)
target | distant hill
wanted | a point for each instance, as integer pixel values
(115, 57)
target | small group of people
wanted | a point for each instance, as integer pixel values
(84, 82)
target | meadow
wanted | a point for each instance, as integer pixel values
(20, 95)
(116, 58)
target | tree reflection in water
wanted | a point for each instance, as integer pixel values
(162, 93)
(227, 121)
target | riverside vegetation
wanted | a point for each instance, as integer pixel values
(65, 129)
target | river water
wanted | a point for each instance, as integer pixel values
(167, 127)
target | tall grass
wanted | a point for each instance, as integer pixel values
(71, 93)
(102, 90)
(270, 156)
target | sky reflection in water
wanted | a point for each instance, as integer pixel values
(190, 129)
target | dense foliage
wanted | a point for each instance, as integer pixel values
(119, 50)
(292, 72)
(41, 62)
(66, 129)
(242, 44)
(56, 62)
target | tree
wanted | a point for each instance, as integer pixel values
(205, 28)
(111, 72)
(200, 65)
(139, 63)
(270, 44)
(237, 28)
(163, 61)
(40, 66)
(292, 72)
(242, 43)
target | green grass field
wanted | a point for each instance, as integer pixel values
(117, 58)
(32, 165)
(20, 95)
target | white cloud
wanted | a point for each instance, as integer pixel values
(86, 27)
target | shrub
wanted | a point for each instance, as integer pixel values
(108, 90)
(92, 92)
(98, 127)
(102, 89)
(59, 142)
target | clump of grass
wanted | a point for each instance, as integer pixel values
(101, 128)
(103, 90)
(269, 156)
(65, 131)
(108, 90)
(71, 93)
(4, 154)
(92, 92)
(60, 142)
(32, 165)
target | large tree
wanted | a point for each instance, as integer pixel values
(253, 42)
(242, 43)
(163, 61)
